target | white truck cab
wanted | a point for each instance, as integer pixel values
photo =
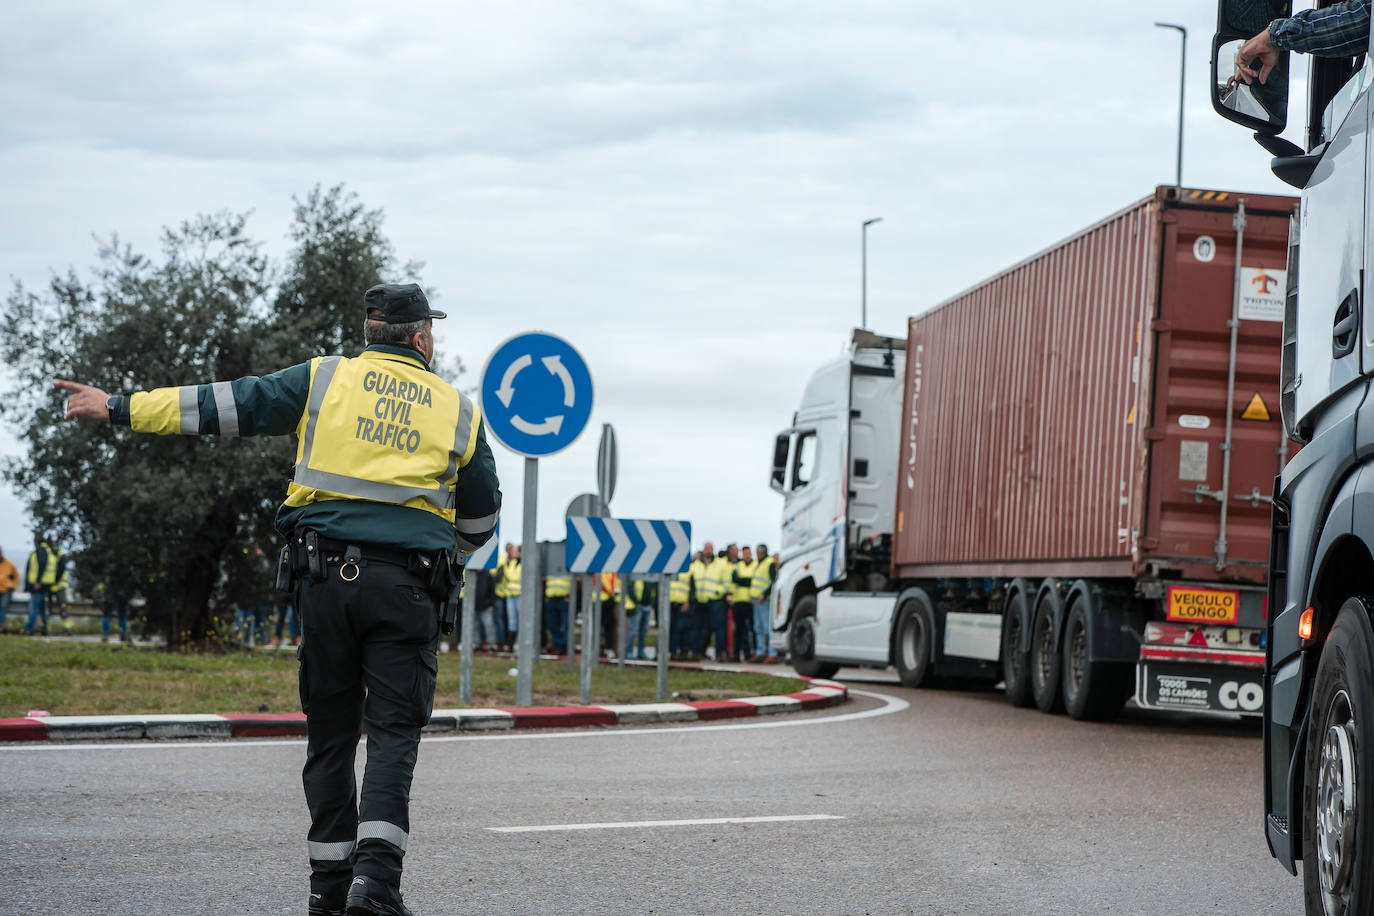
(836, 468)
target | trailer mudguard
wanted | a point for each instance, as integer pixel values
(1026, 588)
(1113, 631)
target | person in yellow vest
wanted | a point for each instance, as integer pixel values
(701, 594)
(393, 479)
(58, 602)
(557, 589)
(610, 601)
(639, 603)
(742, 606)
(39, 580)
(713, 589)
(679, 628)
(508, 597)
(9, 581)
(761, 588)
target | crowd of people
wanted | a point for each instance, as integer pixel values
(718, 608)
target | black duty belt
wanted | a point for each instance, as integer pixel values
(335, 551)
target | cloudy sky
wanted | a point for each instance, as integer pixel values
(674, 187)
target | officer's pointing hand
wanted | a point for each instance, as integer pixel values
(84, 400)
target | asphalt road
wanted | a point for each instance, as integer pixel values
(939, 802)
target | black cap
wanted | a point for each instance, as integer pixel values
(398, 303)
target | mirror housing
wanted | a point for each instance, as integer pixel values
(782, 446)
(1262, 107)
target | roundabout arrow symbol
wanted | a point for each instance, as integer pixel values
(551, 425)
(555, 366)
(507, 391)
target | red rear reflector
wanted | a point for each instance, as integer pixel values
(1197, 639)
(1305, 624)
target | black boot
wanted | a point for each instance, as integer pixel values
(327, 904)
(370, 897)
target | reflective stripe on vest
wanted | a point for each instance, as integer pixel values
(557, 586)
(393, 421)
(678, 588)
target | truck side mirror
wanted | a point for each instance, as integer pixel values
(1262, 107)
(781, 447)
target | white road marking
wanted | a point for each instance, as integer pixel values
(693, 822)
(890, 705)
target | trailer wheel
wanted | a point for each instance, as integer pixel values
(1015, 660)
(801, 642)
(1338, 789)
(911, 651)
(1092, 690)
(1044, 656)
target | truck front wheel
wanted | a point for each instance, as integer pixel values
(801, 642)
(912, 649)
(1337, 869)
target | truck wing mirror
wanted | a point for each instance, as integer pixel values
(1262, 107)
(781, 447)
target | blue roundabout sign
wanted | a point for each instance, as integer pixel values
(536, 394)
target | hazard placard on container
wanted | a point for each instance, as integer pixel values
(1256, 409)
(1202, 605)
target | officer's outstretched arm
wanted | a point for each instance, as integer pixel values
(270, 405)
(478, 494)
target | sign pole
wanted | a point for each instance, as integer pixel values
(591, 652)
(663, 647)
(529, 589)
(468, 636)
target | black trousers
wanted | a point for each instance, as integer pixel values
(743, 614)
(368, 660)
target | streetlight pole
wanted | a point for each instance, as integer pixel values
(863, 278)
(1182, 64)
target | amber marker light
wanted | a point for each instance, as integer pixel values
(1305, 624)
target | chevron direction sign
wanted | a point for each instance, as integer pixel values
(627, 545)
(484, 557)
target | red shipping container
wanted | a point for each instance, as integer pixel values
(1067, 417)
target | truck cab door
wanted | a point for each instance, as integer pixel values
(1331, 259)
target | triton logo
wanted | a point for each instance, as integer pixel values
(1264, 281)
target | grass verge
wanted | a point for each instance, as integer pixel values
(69, 679)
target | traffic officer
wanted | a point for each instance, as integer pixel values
(39, 579)
(393, 474)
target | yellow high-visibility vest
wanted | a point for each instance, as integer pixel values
(382, 427)
(48, 575)
(703, 589)
(679, 588)
(746, 569)
(763, 576)
(714, 582)
(509, 585)
(557, 586)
